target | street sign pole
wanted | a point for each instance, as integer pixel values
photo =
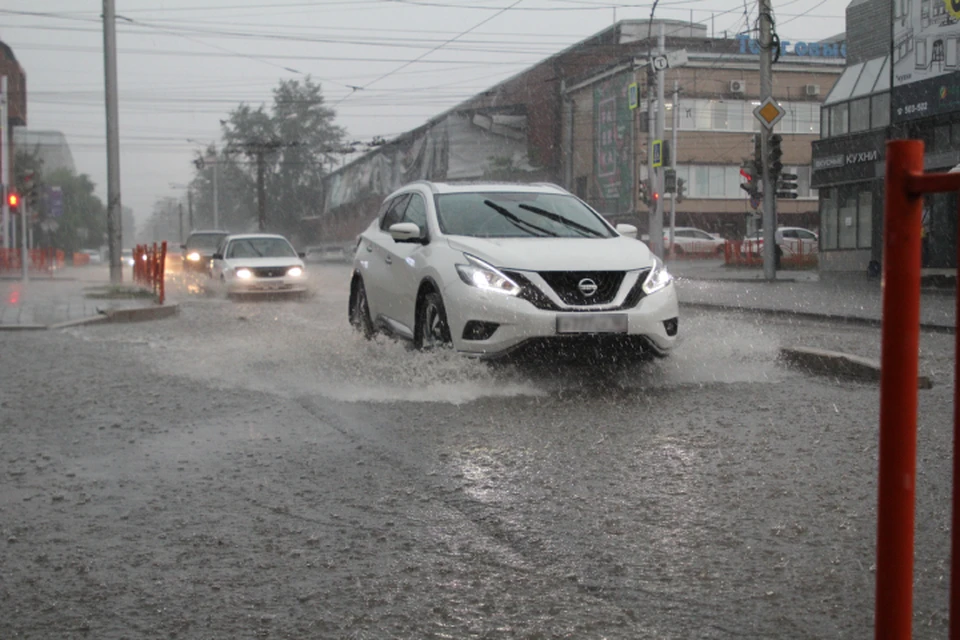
(5, 172)
(766, 93)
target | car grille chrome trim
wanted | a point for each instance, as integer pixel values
(568, 286)
(536, 290)
(269, 272)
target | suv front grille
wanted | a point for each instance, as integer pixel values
(269, 272)
(532, 294)
(566, 284)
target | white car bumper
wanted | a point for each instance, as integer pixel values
(251, 286)
(651, 325)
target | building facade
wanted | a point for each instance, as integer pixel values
(50, 146)
(544, 124)
(911, 90)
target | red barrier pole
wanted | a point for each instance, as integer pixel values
(898, 392)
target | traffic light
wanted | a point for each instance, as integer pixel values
(643, 192)
(787, 186)
(670, 181)
(30, 194)
(681, 190)
(774, 154)
(751, 178)
(13, 202)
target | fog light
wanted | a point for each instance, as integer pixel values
(477, 330)
(671, 326)
(193, 257)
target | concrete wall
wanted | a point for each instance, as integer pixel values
(847, 260)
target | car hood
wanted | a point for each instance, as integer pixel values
(265, 262)
(557, 254)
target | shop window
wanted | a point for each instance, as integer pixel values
(880, 111)
(860, 115)
(838, 119)
(716, 182)
(828, 218)
(865, 220)
(847, 214)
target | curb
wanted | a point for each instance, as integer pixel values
(834, 363)
(22, 327)
(810, 315)
(76, 323)
(140, 314)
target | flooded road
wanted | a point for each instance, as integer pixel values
(256, 469)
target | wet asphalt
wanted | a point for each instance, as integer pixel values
(254, 469)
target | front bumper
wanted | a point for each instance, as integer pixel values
(651, 324)
(268, 286)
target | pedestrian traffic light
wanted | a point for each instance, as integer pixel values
(774, 154)
(30, 190)
(643, 193)
(670, 181)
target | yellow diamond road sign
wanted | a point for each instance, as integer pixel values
(769, 113)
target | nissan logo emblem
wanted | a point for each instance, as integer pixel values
(587, 287)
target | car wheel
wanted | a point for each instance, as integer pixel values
(359, 313)
(432, 329)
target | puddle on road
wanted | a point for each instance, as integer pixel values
(307, 349)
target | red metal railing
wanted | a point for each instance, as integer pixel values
(44, 260)
(905, 185)
(148, 267)
(749, 253)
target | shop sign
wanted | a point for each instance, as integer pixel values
(802, 49)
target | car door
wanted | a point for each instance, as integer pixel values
(705, 242)
(217, 263)
(809, 241)
(373, 249)
(405, 260)
(789, 242)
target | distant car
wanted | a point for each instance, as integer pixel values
(126, 257)
(199, 248)
(693, 241)
(791, 241)
(95, 257)
(258, 263)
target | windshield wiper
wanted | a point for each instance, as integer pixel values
(517, 222)
(558, 218)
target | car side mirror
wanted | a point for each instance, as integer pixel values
(627, 230)
(406, 232)
(302, 254)
(217, 256)
(183, 246)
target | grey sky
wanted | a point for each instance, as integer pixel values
(184, 64)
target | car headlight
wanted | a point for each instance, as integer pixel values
(244, 274)
(193, 256)
(294, 272)
(658, 278)
(485, 276)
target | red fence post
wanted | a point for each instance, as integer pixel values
(898, 392)
(163, 267)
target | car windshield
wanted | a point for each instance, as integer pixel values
(260, 248)
(204, 240)
(517, 215)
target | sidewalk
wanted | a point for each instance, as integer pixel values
(849, 298)
(62, 299)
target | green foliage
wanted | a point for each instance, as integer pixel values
(297, 140)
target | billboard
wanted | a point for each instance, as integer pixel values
(926, 59)
(613, 141)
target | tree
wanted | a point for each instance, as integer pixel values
(292, 143)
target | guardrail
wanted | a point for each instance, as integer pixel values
(44, 260)
(906, 183)
(148, 267)
(749, 253)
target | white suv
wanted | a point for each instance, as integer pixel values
(494, 268)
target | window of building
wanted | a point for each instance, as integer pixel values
(880, 110)
(825, 122)
(717, 182)
(865, 220)
(860, 115)
(941, 139)
(701, 181)
(828, 218)
(848, 218)
(838, 119)
(718, 116)
(921, 57)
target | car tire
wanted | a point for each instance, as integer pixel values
(432, 332)
(359, 312)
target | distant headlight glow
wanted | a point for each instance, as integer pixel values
(295, 272)
(658, 278)
(193, 256)
(244, 274)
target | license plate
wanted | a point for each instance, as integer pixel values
(592, 323)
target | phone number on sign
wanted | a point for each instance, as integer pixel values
(914, 108)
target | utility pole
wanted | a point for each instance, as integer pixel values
(113, 141)
(5, 160)
(190, 207)
(673, 157)
(261, 190)
(180, 208)
(655, 221)
(661, 122)
(769, 189)
(216, 195)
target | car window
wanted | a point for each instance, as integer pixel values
(807, 235)
(788, 233)
(416, 212)
(394, 212)
(502, 214)
(703, 235)
(260, 248)
(681, 233)
(204, 240)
